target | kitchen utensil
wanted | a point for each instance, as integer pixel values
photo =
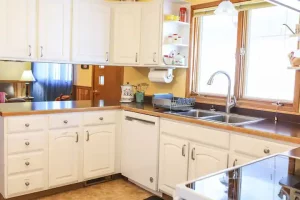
(127, 93)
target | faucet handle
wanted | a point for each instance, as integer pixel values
(234, 99)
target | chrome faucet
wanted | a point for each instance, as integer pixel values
(229, 102)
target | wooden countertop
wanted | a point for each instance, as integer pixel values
(283, 131)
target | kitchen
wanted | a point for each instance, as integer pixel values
(183, 116)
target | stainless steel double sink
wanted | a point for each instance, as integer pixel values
(218, 117)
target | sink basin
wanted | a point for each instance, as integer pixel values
(196, 114)
(235, 120)
(218, 117)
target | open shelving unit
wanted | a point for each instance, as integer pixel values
(172, 7)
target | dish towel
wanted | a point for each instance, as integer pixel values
(2, 97)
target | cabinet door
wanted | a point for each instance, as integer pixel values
(99, 151)
(126, 36)
(91, 31)
(173, 163)
(63, 157)
(236, 160)
(151, 34)
(18, 29)
(54, 31)
(204, 161)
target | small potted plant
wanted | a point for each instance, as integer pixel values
(140, 92)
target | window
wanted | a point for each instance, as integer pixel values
(217, 49)
(266, 74)
(252, 48)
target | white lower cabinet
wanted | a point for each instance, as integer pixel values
(173, 163)
(63, 157)
(205, 160)
(99, 151)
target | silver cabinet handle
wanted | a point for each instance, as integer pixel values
(154, 57)
(193, 154)
(27, 183)
(88, 136)
(42, 51)
(234, 162)
(27, 163)
(27, 143)
(27, 125)
(107, 56)
(29, 49)
(183, 150)
(77, 137)
(65, 121)
(101, 118)
(267, 151)
(136, 57)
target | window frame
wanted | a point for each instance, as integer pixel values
(240, 70)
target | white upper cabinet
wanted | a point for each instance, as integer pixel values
(173, 163)
(126, 34)
(99, 151)
(204, 161)
(63, 157)
(18, 29)
(151, 34)
(54, 32)
(91, 31)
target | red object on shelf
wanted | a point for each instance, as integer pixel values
(183, 14)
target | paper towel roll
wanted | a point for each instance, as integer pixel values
(160, 76)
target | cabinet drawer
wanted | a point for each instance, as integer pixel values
(96, 118)
(199, 134)
(25, 162)
(256, 147)
(64, 120)
(26, 142)
(25, 183)
(29, 123)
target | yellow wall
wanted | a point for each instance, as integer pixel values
(13, 70)
(140, 75)
(83, 77)
(195, 2)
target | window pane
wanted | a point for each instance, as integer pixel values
(267, 76)
(217, 52)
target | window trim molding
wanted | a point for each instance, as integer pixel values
(255, 104)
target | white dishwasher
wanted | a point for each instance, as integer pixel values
(140, 144)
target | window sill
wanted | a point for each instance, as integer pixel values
(288, 108)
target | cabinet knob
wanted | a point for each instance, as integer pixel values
(29, 49)
(65, 121)
(27, 163)
(27, 143)
(42, 48)
(234, 162)
(136, 57)
(183, 150)
(27, 183)
(151, 180)
(266, 151)
(101, 118)
(107, 57)
(27, 125)
(154, 57)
